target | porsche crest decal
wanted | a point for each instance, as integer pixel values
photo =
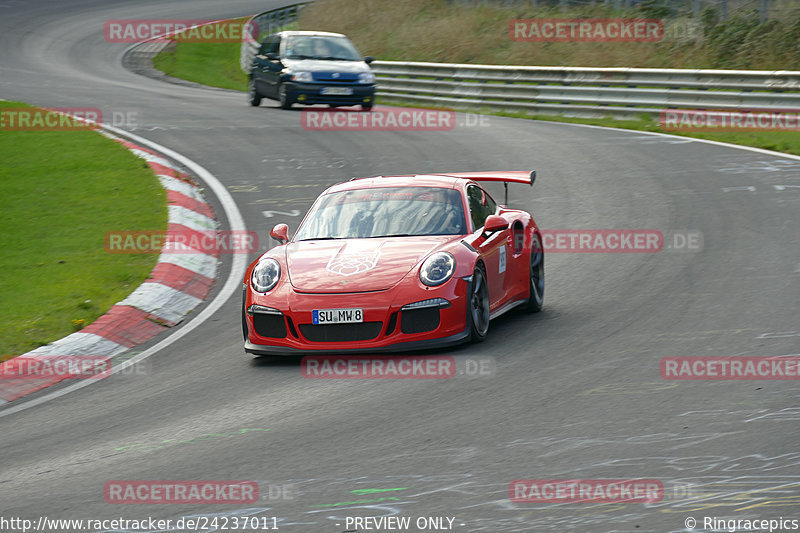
(349, 263)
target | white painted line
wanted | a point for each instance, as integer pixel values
(161, 301)
(681, 137)
(178, 214)
(232, 284)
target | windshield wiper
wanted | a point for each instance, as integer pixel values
(300, 56)
(320, 239)
(332, 58)
(391, 235)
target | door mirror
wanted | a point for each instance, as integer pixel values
(272, 56)
(494, 223)
(280, 233)
(369, 59)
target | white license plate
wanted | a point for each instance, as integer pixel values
(337, 91)
(337, 316)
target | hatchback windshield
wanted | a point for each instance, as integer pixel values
(385, 212)
(321, 47)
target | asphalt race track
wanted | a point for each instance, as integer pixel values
(575, 391)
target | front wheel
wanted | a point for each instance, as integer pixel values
(283, 97)
(478, 306)
(253, 96)
(536, 299)
(366, 107)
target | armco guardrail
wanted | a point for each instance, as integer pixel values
(261, 25)
(579, 91)
(574, 91)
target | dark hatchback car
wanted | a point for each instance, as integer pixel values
(309, 67)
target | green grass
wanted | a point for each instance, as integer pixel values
(213, 64)
(447, 32)
(60, 192)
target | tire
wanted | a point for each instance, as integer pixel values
(283, 98)
(536, 277)
(478, 306)
(366, 107)
(253, 95)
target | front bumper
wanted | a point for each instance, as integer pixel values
(311, 93)
(388, 326)
(453, 340)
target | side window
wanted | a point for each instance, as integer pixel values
(270, 44)
(276, 46)
(481, 205)
(264, 48)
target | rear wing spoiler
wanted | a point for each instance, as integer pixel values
(506, 177)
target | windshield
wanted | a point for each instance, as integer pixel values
(320, 47)
(385, 212)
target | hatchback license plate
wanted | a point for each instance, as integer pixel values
(337, 316)
(337, 91)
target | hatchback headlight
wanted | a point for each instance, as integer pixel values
(265, 275)
(437, 269)
(366, 77)
(302, 76)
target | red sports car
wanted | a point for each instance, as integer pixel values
(394, 263)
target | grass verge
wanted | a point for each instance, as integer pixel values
(212, 64)
(445, 31)
(60, 192)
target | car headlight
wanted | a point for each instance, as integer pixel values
(366, 77)
(437, 269)
(265, 275)
(302, 76)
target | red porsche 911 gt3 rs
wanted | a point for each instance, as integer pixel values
(394, 263)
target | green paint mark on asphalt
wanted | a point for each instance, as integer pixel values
(359, 502)
(361, 492)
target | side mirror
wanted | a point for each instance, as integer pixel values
(280, 233)
(272, 56)
(369, 59)
(494, 223)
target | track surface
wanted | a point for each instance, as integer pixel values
(576, 393)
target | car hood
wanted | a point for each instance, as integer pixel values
(356, 265)
(323, 65)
